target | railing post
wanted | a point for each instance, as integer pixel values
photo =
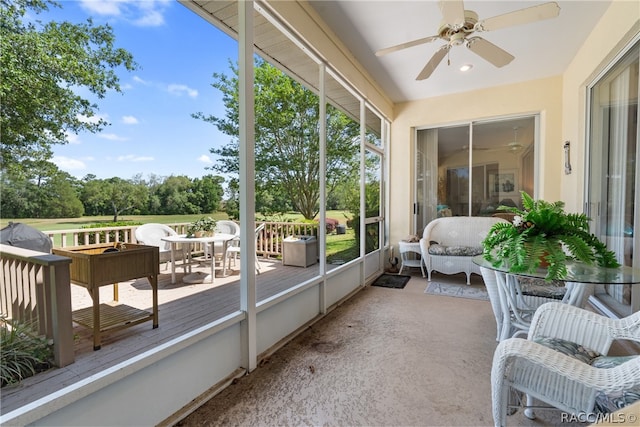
(57, 279)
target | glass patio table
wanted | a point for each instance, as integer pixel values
(577, 272)
(580, 282)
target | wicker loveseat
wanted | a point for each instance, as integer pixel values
(449, 244)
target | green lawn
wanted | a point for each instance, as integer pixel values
(73, 223)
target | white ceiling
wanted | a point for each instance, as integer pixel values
(541, 49)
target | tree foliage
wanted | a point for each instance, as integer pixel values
(40, 191)
(43, 65)
(287, 141)
(47, 192)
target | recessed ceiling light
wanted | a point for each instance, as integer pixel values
(466, 67)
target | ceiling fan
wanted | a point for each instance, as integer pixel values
(459, 24)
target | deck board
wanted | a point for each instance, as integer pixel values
(181, 308)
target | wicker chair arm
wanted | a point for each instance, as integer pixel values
(559, 380)
(514, 354)
(583, 327)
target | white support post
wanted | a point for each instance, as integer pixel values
(247, 182)
(322, 229)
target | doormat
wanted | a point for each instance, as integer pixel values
(459, 291)
(391, 281)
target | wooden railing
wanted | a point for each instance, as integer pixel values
(35, 291)
(87, 236)
(269, 243)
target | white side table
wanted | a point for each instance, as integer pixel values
(410, 255)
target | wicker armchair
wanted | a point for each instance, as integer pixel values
(557, 379)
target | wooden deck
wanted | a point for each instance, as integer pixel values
(182, 308)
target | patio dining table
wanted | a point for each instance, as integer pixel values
(223, 238)
(579, 280)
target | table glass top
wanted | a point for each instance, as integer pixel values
(579, 272)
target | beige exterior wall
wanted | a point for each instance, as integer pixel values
(560, 101)
(534, 97)
(615, 30)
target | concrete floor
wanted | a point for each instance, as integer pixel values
(386, 357)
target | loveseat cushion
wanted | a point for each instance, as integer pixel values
(437, 249)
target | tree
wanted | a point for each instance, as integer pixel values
(113, 196)
(42, 67)
(207, 193)
(287, 139)
(174, 195)
(125, 196)
(40, 191)
(62, 198)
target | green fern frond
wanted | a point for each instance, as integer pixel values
(546, 231)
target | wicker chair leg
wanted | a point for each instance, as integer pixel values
(528, 412)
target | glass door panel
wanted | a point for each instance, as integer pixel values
(472, 169)
(613, 193)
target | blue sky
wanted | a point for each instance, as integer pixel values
(151, 129)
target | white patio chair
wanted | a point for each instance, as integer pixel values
(151, 235)
(233, 249)
(226, 227)
(564, 381)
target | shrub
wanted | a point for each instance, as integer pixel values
(330, 224)
(21, 353)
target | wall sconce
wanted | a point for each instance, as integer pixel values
(567, 157)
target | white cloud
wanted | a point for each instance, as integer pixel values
(205, 159)
(179, 90)
(102, 7)
(93, 119)
(112, 137)
(66, 163)
(133, 158)
(151, 19)
(139, 80)
(147, 13)
(72, 138)
(129, 120)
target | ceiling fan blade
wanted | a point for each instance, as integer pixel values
(452, 12)
(520, 17)
(401, 46)
(489, 51)
(433, 63)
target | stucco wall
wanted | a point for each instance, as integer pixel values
(539, 96)
(614, 31)
(560, 100)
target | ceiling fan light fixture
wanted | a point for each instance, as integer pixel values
(458, 25)
(466, 67)
(515, 145)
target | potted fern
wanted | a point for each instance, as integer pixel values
(542, 234)
(203, 227)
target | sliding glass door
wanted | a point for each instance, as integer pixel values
(613, 174)
(472, 168)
